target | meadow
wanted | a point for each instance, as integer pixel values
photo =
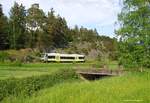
(10, 70)
(17, 70)
(131, 87)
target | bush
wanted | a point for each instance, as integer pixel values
(98, 65)
(17, 63)
(4, 56)
(27, 86)
(18, 56)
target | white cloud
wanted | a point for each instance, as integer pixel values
(87, 11)
(80, 12)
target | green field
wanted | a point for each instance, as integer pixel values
(10, 70)
(25, 70)
(131, 87)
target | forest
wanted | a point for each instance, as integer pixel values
(48, 32)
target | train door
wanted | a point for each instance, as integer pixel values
(57, 57)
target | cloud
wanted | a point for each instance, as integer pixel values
(87, 11)
(98, 13)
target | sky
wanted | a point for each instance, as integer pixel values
(99, 14)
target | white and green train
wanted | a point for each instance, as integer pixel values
(56, 57)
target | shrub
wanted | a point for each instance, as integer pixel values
(17, 63)
(23, 55)
(98, 65)
(3, 56)
(27, 86)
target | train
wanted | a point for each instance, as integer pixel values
(57, 57)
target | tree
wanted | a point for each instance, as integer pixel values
(58, 29)
(74, 33)
(4, 42)
(17, 26)
(61, 34)
(135, 33)
(36, 20)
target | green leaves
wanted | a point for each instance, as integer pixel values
(27, 86)
(134, 33)
(17, 26)
(4, 41)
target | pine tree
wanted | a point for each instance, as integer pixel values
(4, 42)
(36, 21)
(58, 29)
(17, 26)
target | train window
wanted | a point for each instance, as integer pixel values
(81, 57)
(51, 57)
(67, 57)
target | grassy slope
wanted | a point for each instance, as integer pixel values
(131, 86)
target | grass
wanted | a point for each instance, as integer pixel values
(30, 85)
(10, 70)
(131, 87)
(128, 88)
(5, 74)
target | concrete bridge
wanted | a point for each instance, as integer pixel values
(93, 74)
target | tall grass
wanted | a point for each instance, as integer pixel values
(129, 88)
(27, 86)
(18, 70)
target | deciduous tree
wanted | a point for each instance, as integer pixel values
(135, 33)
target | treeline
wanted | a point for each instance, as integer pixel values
(33, 28)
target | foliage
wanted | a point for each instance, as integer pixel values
(131, 86)
(33, 28)
(98, 65)
(9, 69)
(20, 56)
(27, 86)
(57, 29)
(17, 63)
(17, 26)
(90, 43)
(4, 41)
(4, 56)
(134, 33)
(36, 19)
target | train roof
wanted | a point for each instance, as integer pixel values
(54, 54)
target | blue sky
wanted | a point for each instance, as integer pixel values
(99, 14)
